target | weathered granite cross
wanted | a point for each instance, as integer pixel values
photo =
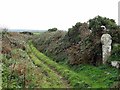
(106, 47)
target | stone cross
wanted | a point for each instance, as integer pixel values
(106, 47)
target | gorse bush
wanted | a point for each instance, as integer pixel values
(73, 34)
(115, 35)
(51, 44)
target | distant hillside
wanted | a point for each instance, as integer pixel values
(21, 30)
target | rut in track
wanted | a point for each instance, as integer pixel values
(66, 82)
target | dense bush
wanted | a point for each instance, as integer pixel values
(115, 55)
(115, 35)
(74, 29)
(98, 21)
(52, 45)
(73, 34)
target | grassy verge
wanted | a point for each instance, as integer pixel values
(101, 75)
(31, 77)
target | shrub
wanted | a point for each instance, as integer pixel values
(98, 21)
(115, 55)
(74, 33)
(115, 35)
(52, 29)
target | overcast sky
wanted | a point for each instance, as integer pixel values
(45, 14)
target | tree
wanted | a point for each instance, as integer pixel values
(52, 29)
(98, 21)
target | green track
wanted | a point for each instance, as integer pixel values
(74, 79)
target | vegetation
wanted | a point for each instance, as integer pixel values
(50, 43)
(73, 78)
(115, 55)
(74, 33)
(54, 80)
(59, 59)
(98, 21)
(83, 76)
(115, 35)
(12, 76)
(73, 46)
(52, 29)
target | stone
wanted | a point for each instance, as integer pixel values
(115, 64)
(106, 47)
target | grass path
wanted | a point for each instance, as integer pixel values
(53, 77)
